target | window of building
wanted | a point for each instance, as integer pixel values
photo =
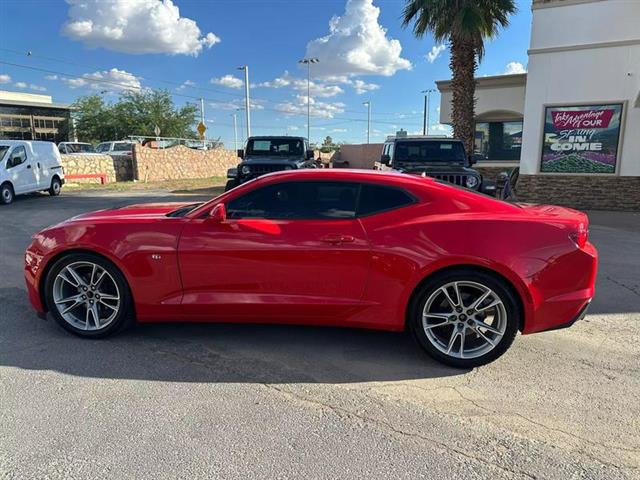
(498, 140)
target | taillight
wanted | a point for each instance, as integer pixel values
(580, 235)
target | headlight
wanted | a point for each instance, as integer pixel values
(246, 170)
(471, 182)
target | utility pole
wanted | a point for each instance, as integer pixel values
(235, 131)
(425, 119)
(204, 142)
(308, 62)
(246, 98)
(368, 104)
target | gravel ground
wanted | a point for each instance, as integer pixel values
(224, 401)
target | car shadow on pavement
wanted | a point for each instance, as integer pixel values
(213, 352)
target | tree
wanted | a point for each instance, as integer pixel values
(464, 25)
(328, 145)
(135, 113)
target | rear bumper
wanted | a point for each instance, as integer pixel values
(562, 292)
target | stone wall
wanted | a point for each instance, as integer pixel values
(123, 165)
(181, 162)
(580, 191)
(88, 165)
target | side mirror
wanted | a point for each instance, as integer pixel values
(310, 155)
(241, 153)
(385, 160)
(232, 173)
(218, 214)
(473, 159)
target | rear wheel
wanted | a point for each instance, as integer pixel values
(56, 186)
(464, 318)
(88, 296)
(6, 194)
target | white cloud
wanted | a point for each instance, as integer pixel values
(135, 26)
(51, 77)
(111, 80)
(338, 130)
(236, 105)
(318, 109)
(435, 52)
(513, 68)
(318, 89)
(5, 78)
(228, 81)
(293, 128)
(185, 84)
(357, 44)
(29, 86)
(440, 129)
(361, 87)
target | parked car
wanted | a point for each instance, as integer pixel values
(29, 166)
(75, 148)
(270, 154)
(462, 271)
(116, 148)
(439, 157)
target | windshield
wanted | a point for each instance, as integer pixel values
(80, 148)
(3, 150)
(276, 147)
(429, 151)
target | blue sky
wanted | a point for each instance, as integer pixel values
(192, 48)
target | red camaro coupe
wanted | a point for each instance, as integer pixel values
(463, 272)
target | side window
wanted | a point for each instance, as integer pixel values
(17, 157)
(379, 198)
(297, 200)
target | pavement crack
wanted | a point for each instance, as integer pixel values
(633, 290)
(344, 413)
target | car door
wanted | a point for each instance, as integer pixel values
(291, 250)
(20, 171)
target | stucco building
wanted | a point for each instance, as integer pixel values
(578, 107)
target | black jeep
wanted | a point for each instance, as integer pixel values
(270, 154)
(439, 157)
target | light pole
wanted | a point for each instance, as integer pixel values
(308, 62)
(368, 104)
(425, 119)
(246, 97)
(235, 131)
(204, 142)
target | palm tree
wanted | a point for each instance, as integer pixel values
(464, 25)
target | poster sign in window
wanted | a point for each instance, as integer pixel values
(581, 139)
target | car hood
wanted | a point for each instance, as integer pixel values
(437, 169)
(271, 160)
(142, 211)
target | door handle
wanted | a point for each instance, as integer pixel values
(336, 239)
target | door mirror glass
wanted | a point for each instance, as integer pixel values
(385, 160)
(240, 153)
(218, 214)
(309, 154)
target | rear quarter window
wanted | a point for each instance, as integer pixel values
(381, 198)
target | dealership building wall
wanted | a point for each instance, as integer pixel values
(584, 56)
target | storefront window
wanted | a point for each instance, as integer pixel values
(498, 140)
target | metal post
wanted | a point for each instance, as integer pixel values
(246, 98)
(427, 113)
(368, 104)
(235, 132)
(308, 62)
(424, 117)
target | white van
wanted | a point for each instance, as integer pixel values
(29, 166)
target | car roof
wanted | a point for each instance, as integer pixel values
(267, 137)
(354, 175)
(423, 138)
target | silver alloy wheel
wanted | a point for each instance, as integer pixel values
(86, 296)
(464, 319)
(55, 186)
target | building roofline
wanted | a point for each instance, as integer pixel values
(536, 4)
(22, 103)
(513, 80)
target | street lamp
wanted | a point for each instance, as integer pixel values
(246, 97)
(308, 62)
(368, 104)
(425, 119)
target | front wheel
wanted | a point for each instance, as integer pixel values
(88, 296)
(464, 318)
(56, 186)
(6, 194)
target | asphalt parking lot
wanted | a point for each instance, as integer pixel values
(225, 401)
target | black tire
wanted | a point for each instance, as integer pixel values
(231, 184)
(123, 318)
(6, 194)
(499, 287)
(56, 186)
